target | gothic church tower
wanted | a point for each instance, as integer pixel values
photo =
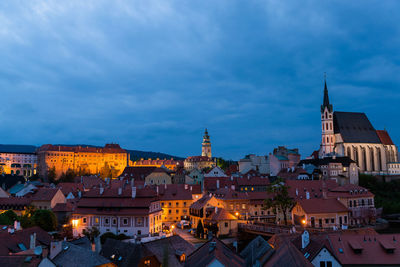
(206, 145)
(328, 135)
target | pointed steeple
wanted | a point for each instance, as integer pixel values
(326, 99)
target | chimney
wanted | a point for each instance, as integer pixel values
(132, 182)
(81, 179)
(297, 192)
(55, 248)
(186, 186)
(191, 188)
(307, 195)
(217, 184)
(79, 193)
(32, 242)
(101, 190)
(119, 191)
(233, 187)
(133, 192)
(157, 189)
(17, 225)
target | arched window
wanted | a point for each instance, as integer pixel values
(327, 139)
(327, 126)
(364, 154)
(355, 152)
(378, 152)
(372, 156)
(326, 114)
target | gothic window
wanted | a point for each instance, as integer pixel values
(323, 127)
(355, 152)
(327, 140)
(327, 127)
(326, 114)
(378, 151)
(364, 158)
(372, 155)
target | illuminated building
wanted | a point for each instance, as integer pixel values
(87, 160)
(18, 163)
(168, 163)
(203, 161)
(120, 210)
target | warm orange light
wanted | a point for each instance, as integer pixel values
(237, 213)
(303, 221)
(172, 227)
(75, 223)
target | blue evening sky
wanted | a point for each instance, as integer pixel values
(151, 75)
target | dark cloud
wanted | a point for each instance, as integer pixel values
(152, 75)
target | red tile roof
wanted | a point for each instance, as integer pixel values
(44, 194)
(320, 205)
(252, 180)
(375, 249)
(89, 182)
(349, 190)
(174, 192)
(210, 183)
(108, 148)
(137, 173)
(67, 188)
(384, 137)
(63, 207)
(221, 215)
(314, 187)
(229, 194)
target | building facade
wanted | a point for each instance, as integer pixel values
(124, 210)
(24, 164)
(87, 160)
(351, 134)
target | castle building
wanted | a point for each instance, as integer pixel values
(19, 163)
(351, 134)
(203, 161)
(88, 160)
(206, 145)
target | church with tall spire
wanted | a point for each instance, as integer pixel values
(351, 134)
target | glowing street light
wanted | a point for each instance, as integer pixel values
(303, 221)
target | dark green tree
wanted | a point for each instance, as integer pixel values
(27, 217)
(45, 219)
(52, 175)
(67, 177)
(91, 233)
(8, 217)
(280, 201)
(200, 229)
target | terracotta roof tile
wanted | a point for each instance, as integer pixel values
(320, 205)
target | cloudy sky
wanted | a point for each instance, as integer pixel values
(151, 75)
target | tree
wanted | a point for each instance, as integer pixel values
(91, 233)
(223, 164)
(27, 217)
(45, 219)
(281, 201)
(67, 177)
(200, 229)
(8, 217)
(52, 175)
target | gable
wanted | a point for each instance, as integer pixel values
(324, 255)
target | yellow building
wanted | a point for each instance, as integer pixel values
(159, 176)
(175, 201)
(110, 159)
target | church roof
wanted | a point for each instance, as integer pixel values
(354, 127)
(326, 100)
(384, 137)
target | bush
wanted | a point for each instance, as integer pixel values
(45, 219)
(8, 217)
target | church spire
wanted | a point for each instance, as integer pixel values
(326, 99)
